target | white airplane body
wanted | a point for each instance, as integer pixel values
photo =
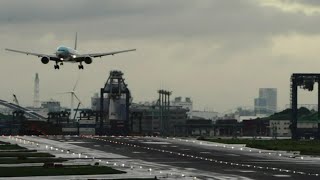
(69, 55)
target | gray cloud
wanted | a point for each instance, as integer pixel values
(224, 42)
(305, 2)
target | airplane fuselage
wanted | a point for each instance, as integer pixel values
(66, 54)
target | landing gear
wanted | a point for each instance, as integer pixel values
(56, 66)
(80, 66)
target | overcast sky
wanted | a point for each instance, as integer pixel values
(218, 52)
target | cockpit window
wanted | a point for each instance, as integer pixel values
(61, 48)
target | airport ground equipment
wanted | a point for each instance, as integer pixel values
(305, 81)
(119, 97)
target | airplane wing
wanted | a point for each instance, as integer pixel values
(52, 57)
(106, 54)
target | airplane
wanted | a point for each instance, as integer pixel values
(69, 55)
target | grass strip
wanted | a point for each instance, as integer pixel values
(58, 171)
(30, 160)
(138, 179)
(25, 154)
(306, 147)
(1, 143)
(10, 147)
(18, 150)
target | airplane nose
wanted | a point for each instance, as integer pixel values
(59, 54)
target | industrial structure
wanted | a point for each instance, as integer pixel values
(114, 118)
(113, 113)
(186, 104)
(153, 120)
(36, 93)
(164, 108)
(305, 81)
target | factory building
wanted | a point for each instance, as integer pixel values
(51, 106)
(280, 128)
(203, 115)
(186, 104)
(150, 120)
(255, 127)
(95, 102)
(227, 127)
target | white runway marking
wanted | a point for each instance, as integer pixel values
(205, 152)
(77, 142)
(246, 171)
(138, 152)
(152, 142)
(191, 169)
(281, 175)
(232, 154)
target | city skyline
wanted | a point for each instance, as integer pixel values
(232, 48)
(266, 102)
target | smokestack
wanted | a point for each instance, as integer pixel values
(36, 99)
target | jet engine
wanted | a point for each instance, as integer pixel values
(88, 60)
(45, 60)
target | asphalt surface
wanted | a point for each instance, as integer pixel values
(193, 156)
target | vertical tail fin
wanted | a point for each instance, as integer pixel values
(76, 41)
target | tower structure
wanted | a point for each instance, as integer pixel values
(36, 98)
(119, 99)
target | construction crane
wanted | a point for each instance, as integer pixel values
(75, 114)
(15, 100)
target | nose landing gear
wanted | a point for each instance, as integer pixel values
(56, 66)
(80, 66)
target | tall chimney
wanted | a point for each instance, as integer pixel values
(36, 100)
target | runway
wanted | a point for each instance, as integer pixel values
(192, 156)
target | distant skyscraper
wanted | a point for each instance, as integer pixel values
(260, 105)
(36, 98)
(267, 101)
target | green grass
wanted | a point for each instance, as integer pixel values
(305, 147)
(138, 179)
(66, 170)
(10, 147)
(30, 160)
(1, 143)
(25, 154)
(18, 150)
